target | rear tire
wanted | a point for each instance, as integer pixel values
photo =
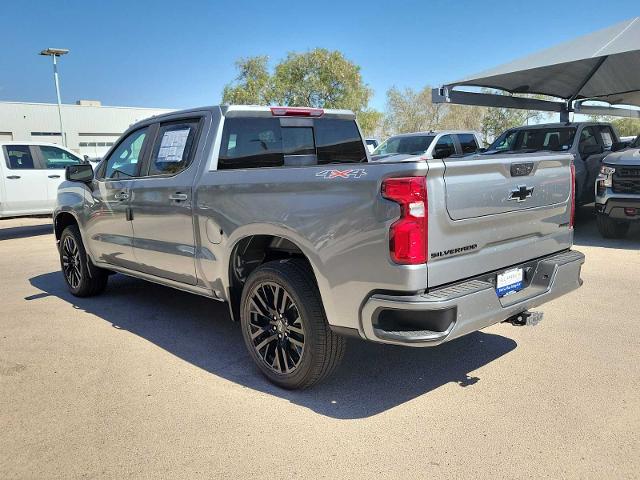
(610, 228)
(82, 277)
(284, 325)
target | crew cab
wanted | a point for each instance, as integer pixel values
(30, 173)
(277, 211)
(618, 191)
(589, 142)
(429, 145)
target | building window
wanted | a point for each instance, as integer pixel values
(96, 144)
(46, 134)
(99, 134)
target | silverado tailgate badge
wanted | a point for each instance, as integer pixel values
(521, 193)
(351, 173)
(454, 251)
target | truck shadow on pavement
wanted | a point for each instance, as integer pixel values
(372, 378)
(586, 232)
(25, 231)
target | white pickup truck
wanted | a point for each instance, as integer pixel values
(30, 173)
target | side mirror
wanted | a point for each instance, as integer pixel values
(79, 173)
(442, 151)
(617, 146)
(588, 150)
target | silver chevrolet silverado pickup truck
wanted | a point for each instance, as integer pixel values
(278, 212)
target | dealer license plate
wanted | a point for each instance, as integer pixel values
(509, 282)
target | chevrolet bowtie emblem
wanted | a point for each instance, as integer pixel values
(521, 193)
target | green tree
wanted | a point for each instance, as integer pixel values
(463, 117)
(318, 78)
(497, 119)
(411, 111)
(627, 127)
(370, 122)
(253, 85)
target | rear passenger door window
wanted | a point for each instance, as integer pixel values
(174, 147)
(467, 142)
(19, 157)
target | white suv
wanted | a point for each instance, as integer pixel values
(30, 173)
(429, 145)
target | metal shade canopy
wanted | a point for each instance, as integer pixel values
(603, 66)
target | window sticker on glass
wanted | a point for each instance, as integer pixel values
(172, 146)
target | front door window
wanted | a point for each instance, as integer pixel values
(123, 162)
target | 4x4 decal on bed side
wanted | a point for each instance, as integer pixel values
(351, 173)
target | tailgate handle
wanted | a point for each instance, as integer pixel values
(521, 169)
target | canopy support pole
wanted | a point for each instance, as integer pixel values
(564, 114)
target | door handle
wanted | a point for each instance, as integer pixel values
(13, 177)
(122, 196)
(178, 197)
(54, 176)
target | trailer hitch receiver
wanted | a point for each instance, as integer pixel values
(525, 318)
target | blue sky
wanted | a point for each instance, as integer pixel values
(181, 54)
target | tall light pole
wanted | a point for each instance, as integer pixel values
(55, 53)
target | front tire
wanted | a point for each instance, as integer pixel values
(610, 228)
(284, 325)
(82, 277)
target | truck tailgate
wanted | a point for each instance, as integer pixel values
(489, 185)
(496, 211)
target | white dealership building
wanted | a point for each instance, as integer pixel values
(89, 127)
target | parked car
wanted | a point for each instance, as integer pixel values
(429, 145)
(618, 191)
(277, 212)
(30, 173)
(589, 142)
(372, 144)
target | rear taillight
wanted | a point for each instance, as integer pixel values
(408, 235)
(296, 112)
(573, 196)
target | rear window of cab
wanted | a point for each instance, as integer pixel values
(250, 142)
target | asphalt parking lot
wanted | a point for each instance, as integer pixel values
(148, 382)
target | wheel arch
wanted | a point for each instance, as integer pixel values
(252, 250)
(62, 220)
